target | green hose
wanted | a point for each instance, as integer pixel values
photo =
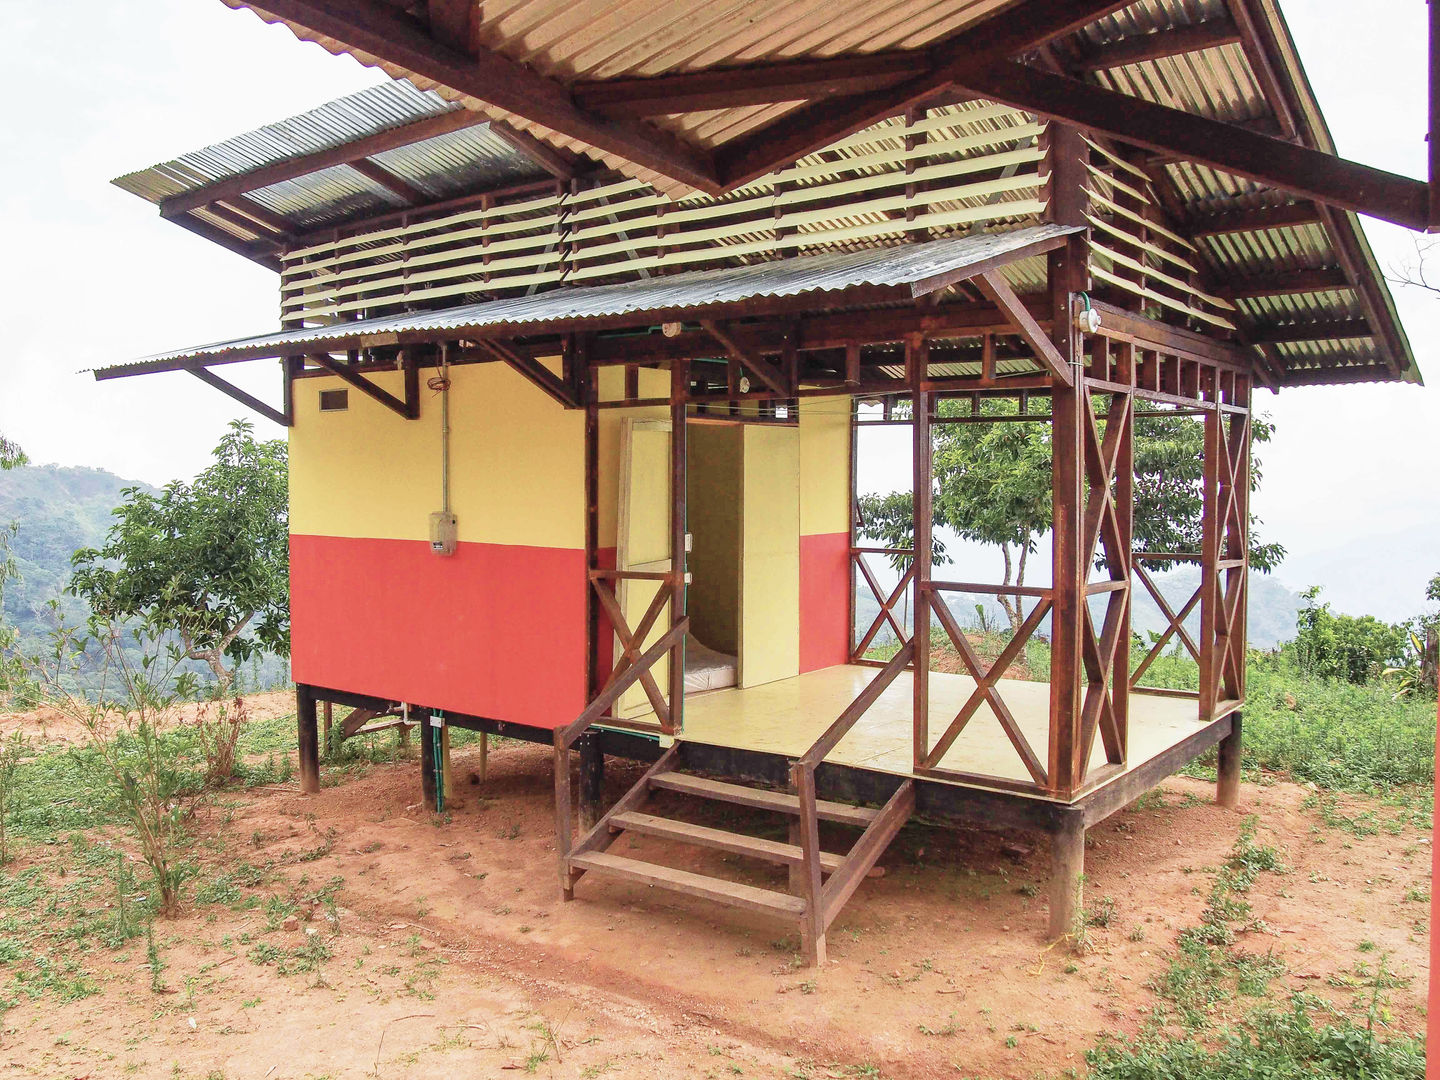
(437, 755)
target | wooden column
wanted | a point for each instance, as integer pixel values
(589, 391)
(1067, 873)
(812, 923)
(679, 391)
(429, 792)
(1067, 276)
(922, 452)
(563, 825)
(308, 738)
(592, 783)
(1227, 766)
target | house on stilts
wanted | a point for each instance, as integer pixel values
(582, 315)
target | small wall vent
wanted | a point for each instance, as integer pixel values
(334, 400)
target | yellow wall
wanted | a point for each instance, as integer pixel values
(824, 465)
(517, 462)
(714, 480)
(770, 559)
(612, 380)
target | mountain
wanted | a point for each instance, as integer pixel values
(55, 511)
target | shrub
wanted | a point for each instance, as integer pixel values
(1349, 647)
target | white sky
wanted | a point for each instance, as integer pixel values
(93, 277)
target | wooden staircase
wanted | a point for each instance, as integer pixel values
(820, 882)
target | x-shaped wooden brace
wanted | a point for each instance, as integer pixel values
(1176, 621)
(632, 644)
(985, 689)
(887, 605)
(1102, 525)
(1231, 550)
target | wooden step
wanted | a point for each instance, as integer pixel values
(732, 893)
(736, 843)
(760, 799)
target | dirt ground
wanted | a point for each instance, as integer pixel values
(48, 725)
(454, 955)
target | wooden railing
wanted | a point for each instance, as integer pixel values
(1175, 620)
(986, 691)
(633, 666)
(887, 601)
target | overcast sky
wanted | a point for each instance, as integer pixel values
(93, 277)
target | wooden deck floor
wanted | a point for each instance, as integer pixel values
(786, 717)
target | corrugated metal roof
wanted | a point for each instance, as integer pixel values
(895, 266)
(442, 166)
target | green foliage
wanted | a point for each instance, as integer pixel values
(1276, 1043)
(890, 521)
(1356, 648)
(13, 751)
(11, 456)
(206, 561)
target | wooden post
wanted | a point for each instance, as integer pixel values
(1227, 766)
(916, 363)
(308, 738)
(1067, 267)
(484, 764)
(327, 711)
(592, 783)
(812, 923)
(1067, 873)
(428, 790)
(1210, 530)
(562, 815)
(679, 391)
(590, 395)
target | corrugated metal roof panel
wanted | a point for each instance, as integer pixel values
(901, 265)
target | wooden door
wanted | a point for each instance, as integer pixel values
(643, 543)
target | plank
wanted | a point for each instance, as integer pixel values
(730, 893)
(760, 799)
(720, 839)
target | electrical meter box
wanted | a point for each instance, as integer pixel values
(442, 533)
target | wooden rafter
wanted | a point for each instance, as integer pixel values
(1227, 147)
(1286, 215)
(1210, 34)
(376, 28)
(560, 164)
(378, 174)
(534, 372)
(751, 361)
(1288, 283)
(290, 168)
(755, 84)
(802, 131)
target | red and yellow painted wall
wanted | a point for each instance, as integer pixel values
(498, 629)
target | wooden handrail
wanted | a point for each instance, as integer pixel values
(837, 731)
(881, 551)
(1166, 556)
(632, 575)
(998, 590)
(566, 736)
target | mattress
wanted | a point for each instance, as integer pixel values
(706, 669)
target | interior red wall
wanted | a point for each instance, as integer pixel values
(494, 630)
(824, 609)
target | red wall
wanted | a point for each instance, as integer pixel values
(493, 630)
(824, 608)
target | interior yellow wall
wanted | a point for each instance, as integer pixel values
(824, 465)
(653, 383)
(517, 462)
(714, 486)
(770, 558)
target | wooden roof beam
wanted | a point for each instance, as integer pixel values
(753, 84)
(1289, 283)
(560, 164)
(1010, 31)
(378, 174)
(1286, 215)
(1332, 330)
(1229, 148)
(1210, 34)
(379, 30)
(291, 168)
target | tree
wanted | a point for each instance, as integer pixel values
(993, 486)
(11, 456)
(207, 561)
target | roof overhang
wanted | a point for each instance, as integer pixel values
(877, 275)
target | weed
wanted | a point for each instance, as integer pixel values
(152, 957)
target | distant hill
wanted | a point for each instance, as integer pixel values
(56, 511)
